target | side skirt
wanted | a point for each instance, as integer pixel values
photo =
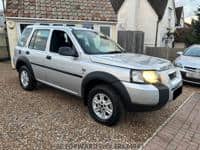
(58, 87)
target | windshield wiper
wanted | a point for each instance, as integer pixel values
(114, 52)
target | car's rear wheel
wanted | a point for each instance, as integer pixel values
(104, 105)
(26, 78)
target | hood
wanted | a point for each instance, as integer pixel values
(132, 61)
(189, 61)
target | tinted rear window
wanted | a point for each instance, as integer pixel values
(39, 39)
(24, 37)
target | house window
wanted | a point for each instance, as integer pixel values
(58, 25)
(23, 26)
(44, 24)
(70, 25)
(88, 25)
(105, 30)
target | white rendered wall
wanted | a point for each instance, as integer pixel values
(147, 22)
(163, 25)
(127, 15)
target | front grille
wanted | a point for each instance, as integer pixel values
(172, 75)
(190, 69)
(189, 79)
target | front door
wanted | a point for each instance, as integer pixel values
(64, 71)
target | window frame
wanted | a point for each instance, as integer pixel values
(68, 34)
(84, 51)
(188, 49)
(36, 30)
(106, 26)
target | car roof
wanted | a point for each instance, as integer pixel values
(196, 45)
(57, 27)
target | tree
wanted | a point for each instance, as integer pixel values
(194, 36)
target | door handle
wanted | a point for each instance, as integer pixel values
(48, 57)
(27, 52)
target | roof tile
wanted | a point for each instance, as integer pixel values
(95, 10)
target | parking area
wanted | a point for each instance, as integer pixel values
(51, 119)
(181, 131)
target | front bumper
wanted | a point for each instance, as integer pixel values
(189, 79)
(152, 97)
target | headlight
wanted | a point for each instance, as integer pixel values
(151, 77)
(177, 64)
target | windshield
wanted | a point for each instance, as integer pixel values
(193, 51)
(94, 43)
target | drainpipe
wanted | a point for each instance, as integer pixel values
(157, 26)
(6, 31)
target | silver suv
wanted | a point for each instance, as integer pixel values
(90, 65)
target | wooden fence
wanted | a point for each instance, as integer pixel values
(163, 52)
(4, 55)
(132, 41)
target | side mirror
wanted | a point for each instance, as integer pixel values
(67, 51)
(179, 53)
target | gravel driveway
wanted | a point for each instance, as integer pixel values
(51, 119)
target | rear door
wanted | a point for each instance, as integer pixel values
(36, 52)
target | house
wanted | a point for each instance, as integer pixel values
(181, 34)
(187, 25)
(180, 17)
(99, 15)
(155, 18)
(182, 29)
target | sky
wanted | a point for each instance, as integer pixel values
(189, 6)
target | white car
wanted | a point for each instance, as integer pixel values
(189, 64)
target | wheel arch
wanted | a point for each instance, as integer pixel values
(96, 78)
(23, 61)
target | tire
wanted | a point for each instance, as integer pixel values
(30, 83)
(109, 96)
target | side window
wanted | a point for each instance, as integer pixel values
(105, 30)
(39, 39)
(24, 37)
(60, 39)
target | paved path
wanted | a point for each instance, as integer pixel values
(182, 131)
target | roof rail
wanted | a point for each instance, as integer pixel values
(48, 24)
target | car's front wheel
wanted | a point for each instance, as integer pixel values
(104, 105)
(26, 78)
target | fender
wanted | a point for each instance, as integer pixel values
(105, 78)
(22, 60)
